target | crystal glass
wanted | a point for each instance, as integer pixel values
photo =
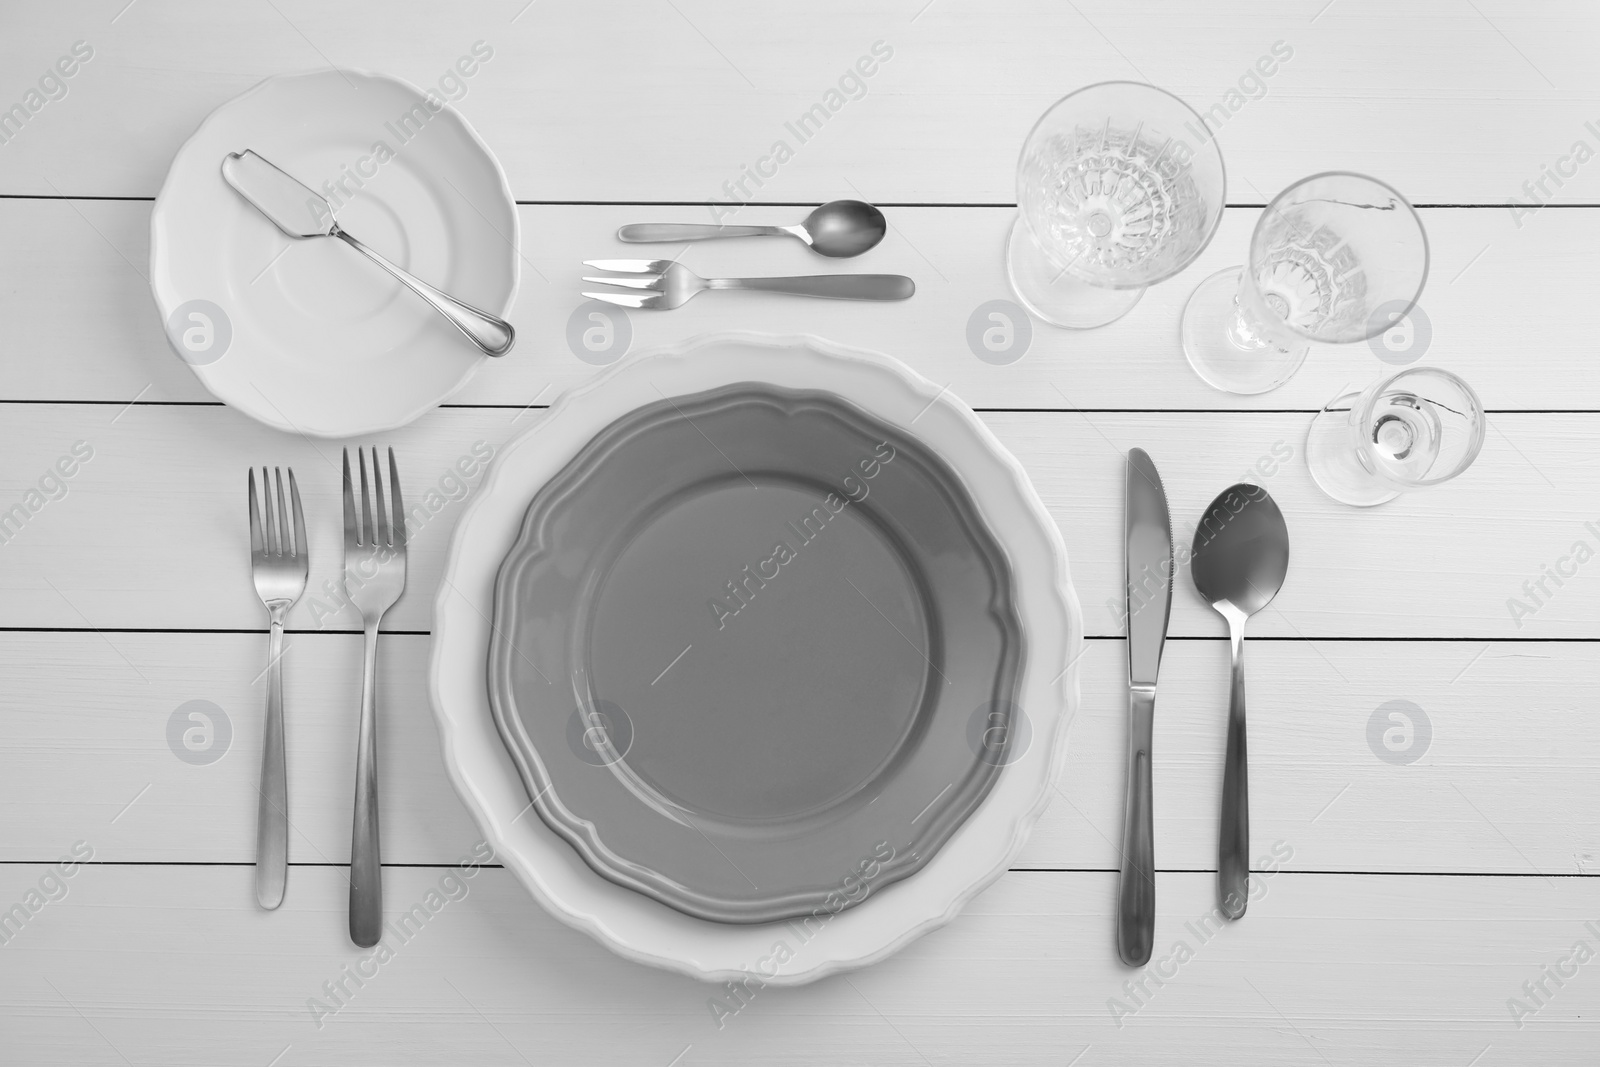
(1120, 186)
(1416, 428)
(1336, 257)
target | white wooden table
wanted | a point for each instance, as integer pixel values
(1421, 900)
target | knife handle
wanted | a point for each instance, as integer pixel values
(1136, 892)
(492, 334)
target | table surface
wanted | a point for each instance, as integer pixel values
(1434, 907)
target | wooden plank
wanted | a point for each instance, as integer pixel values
(1452, 103)
(1497, 778)
(151, 530)
(76, 311)
(177, 966)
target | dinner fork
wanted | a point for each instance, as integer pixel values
(278, 562)
(674, 284)
(375, 576)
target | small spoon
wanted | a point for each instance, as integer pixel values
(839, 229)
(1241, 554)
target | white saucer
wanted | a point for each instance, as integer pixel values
(644, 929)
(307, 336)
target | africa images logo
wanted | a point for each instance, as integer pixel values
(52, 86)
(851, 85)
(742, 588)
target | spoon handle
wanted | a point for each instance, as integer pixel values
(653, 232)
(1136, 893)
(1233, 839)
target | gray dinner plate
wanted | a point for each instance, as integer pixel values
(749, 651)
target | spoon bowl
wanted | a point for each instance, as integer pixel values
(1241, 557)
(1241, 549)
(843, 228)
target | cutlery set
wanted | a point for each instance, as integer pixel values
(1240, 559)
(374, 578)
(839, 229)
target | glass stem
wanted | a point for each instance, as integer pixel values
(1244, 329)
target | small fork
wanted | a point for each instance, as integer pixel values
(278, 564)
(375, 576)
(674, 284)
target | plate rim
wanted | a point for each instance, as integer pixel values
(716, 952)
(162, 207)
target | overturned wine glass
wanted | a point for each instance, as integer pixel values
(1417, 428)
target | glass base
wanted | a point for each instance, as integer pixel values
(1051, 294)
(1334, 463)
(1222, 350)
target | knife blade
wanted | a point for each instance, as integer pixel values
(296, 209)
(1147, 528)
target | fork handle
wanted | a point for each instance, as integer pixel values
(833, 286)
(653, 232)
(491, 334)
(366, 867)
(272, 814)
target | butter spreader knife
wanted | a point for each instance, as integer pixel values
(1148, 537)
(301, 212)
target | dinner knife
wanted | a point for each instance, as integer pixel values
(301, 212)
(1148, 538)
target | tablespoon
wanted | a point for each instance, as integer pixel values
(840, 229)
(1241, 554)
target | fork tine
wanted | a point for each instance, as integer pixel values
(394, 502)
(643, 281)
(351, 534)
(630, 266)
(257, 547)
(627, 300)
(270, 530)
(284, 547)
(299, 517)
(367, 531)
(385, 535)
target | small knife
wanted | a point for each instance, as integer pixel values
(301, 212)
(1148, 529)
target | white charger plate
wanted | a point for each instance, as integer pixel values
(308, 336)
(643, 929)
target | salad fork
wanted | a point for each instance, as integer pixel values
(375, 576)
(673, 285)
(278, 562)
